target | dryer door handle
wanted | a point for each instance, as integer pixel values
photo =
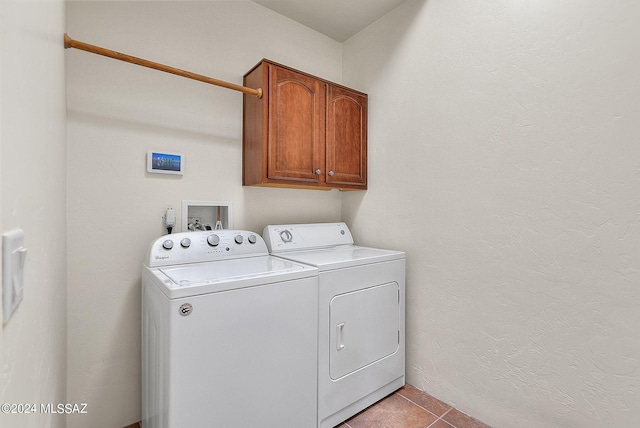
(339, 333)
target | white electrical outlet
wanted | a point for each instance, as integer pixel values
(14, 256)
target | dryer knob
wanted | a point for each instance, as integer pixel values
(185, 243)
(213, 240)
(286, 236)
(168, 244)
(252, 239)
(239, 239)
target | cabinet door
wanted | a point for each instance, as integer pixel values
(296, 127)
(346, 150)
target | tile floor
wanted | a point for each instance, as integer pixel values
(411, 408)
(408, 407)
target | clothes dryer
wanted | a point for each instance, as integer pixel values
(229, 334)
(361, 348)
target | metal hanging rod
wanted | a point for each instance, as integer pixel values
(70, 43)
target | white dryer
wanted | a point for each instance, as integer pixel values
(229, 334)
(361, 330)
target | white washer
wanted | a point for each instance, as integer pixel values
(361, 314)
(229, 334)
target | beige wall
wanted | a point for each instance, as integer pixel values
(505, 159)
(117, 112)
(33, 353)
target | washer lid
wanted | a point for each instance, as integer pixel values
(202, 278)
(342, 256)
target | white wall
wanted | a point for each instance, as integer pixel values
(118, 111)
(33, 197)
(505, 159)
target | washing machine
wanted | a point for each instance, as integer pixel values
(361, 313)
(229, 334)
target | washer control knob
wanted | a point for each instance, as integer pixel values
(213, 240)
(168, 244)
(185, 243)
(239, 239)
(252, 239)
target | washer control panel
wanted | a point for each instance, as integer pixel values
(203, 246)
(290, 237)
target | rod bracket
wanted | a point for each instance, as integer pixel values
(67, 41)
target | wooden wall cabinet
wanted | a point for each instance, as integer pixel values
(305, 132)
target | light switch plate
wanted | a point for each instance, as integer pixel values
(14, 256)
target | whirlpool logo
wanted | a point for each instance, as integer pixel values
(185, 309)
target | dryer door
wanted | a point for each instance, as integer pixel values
(364, 328)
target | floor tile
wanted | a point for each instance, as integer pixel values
(408, 408)
(461, 420)
(430, 403)
(394, 411)
(441, 424)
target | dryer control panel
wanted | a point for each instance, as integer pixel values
(211, 245)
(289, 237)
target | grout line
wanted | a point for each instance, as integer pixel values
(423, 408)
(447, 411)
(440, 418)
(450, 409)
(447, 422)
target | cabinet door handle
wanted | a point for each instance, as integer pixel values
(318, 171)
(331, 173)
